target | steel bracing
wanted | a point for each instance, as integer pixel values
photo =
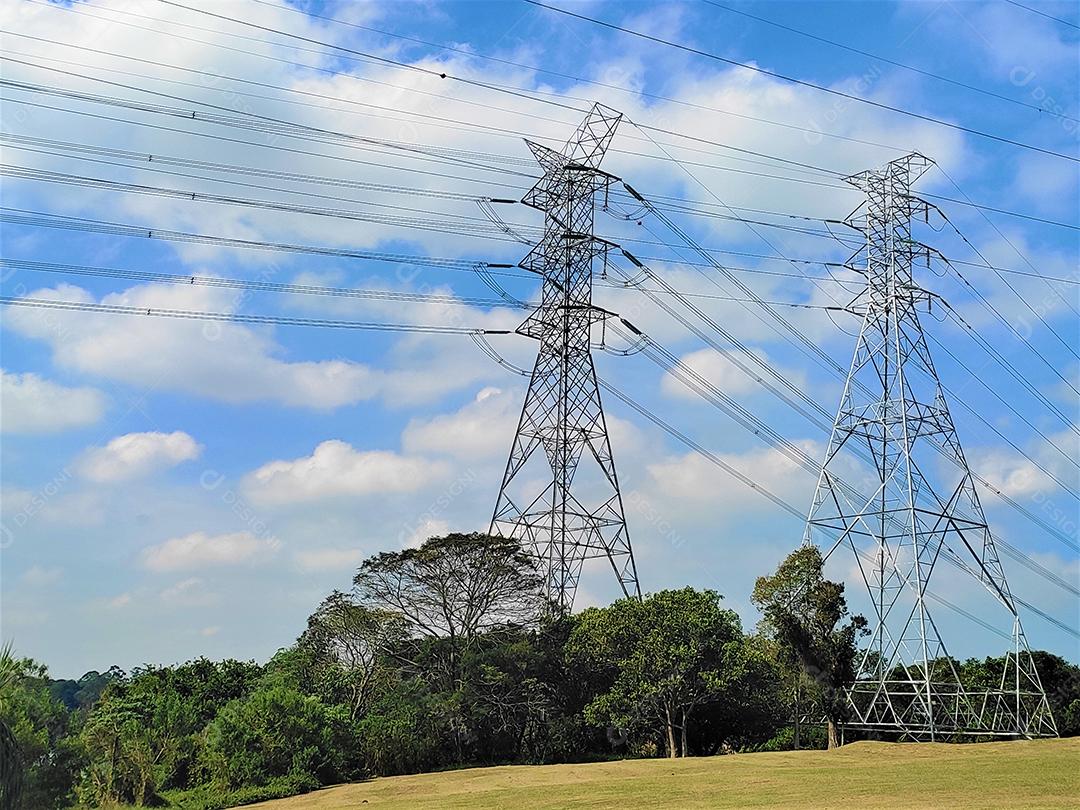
(560, 493)
(895, 490)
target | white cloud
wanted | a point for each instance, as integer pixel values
(30, 403)
(335, 469)
(429, 528)
(189, 592)
(481, 429)
(210, 631)
(722, 373)
(1017, 475)
(199, 550)
(37, 576)
(120, 601)
(1010, 473)
(225, 362)
(693, 479)
(136, 454)
(329, 559)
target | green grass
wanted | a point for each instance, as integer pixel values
(861, 776)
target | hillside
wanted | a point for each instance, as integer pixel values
(1041, 774)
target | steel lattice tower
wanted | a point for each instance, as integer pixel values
(560, 494)
(913, 501)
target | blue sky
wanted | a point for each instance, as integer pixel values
(174, 489)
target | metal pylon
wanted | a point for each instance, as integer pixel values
(896, 491)
(560, 494)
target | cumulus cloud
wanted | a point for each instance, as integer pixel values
(337, 469)
(481, 429)
(38, 576)
(429, 528)
(200, 550)
(29, 403)
(1017, 475)
(329, 559)
(723, 373)
(693, 479)
(227, 362)
(137, 454)
(190, 592)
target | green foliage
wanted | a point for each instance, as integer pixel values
(441, 657)
(660, 660)
(784, 739)
(345, 648)
(454, 588)
(277, 732)
(145, 732)
(1060, 680)
(85, 692)
(39, 761)
(404, 732)
(805, 614)
(211, 797)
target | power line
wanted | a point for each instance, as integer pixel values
(1042, 14)
(456, 224)
(886, 60)
(18, 216)
(196, 280)
(516, 92)
(239, 317)
(1007, 241)
(484, 269)
(584, 80)
(967, 202)
(821, 88)
(815, 352)
(68, 149)
(1014, 372)
(311, 289)
(509, 133)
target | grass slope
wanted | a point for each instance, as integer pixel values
(861, 776)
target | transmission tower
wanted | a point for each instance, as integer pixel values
(560, 494)
(915, 503)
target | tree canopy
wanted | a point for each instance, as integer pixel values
(808, 617)
(444, 656)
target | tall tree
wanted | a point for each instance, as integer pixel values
(12, 772)
(352, 641)
(665, 656)
(455, 588)
(805, 613)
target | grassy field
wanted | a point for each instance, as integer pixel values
(1041, 774)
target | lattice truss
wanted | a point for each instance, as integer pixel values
(560, 493)
(895, 490)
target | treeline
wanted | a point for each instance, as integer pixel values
(444, 656)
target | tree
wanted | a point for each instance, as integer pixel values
(145, 732)
(805, 613)
(1060, 680)
(12, 772)
(664, 657)
(38, 758)
(453, 587)
(349, 643)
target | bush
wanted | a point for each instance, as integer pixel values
(278, 733)
(784, 739)
(402, 733)
(207, 797)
